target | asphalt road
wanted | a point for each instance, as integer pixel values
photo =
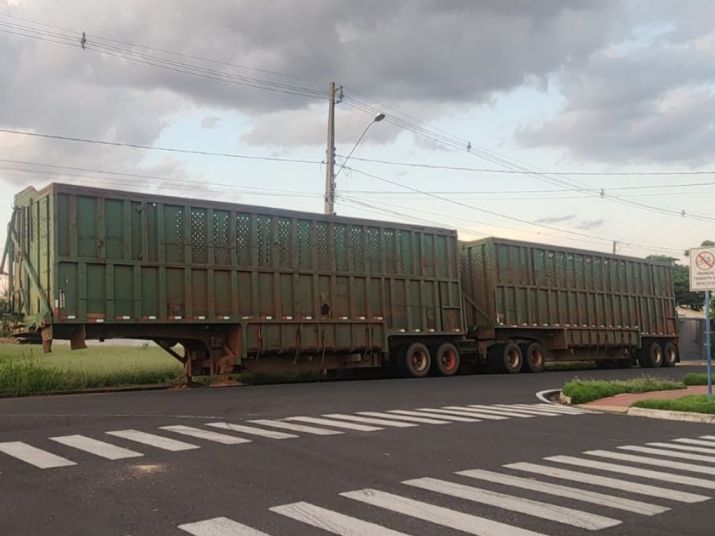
(304, 477)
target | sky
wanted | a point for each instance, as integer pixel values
(570, 123)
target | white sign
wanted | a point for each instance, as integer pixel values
(702, 269)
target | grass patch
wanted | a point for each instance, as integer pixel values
(25, 369)
(582, 391)
(691, 403)
(696, 378)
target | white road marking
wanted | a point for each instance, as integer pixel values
(601, 499)
(539, 412)
(608, 482)
(562, 409)
(437, 416)
(708, 437)
(438, 515)
(465, 413)
(688, 448)
(368, 420)
(251, 430)
(34, 456)
(695, 442)
(332, 521)
(336, 424)
(635, 471)
(98, 448)
(205, 434)
(219, 526)
(670, 453)
(383, 415)
(295, 427)
(153, 440)
(559, 514)
(500, 411)
(689, 467)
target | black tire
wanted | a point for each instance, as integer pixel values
(534, 357)
(505, 357)
(670, 354)
(445, 359)
(651, 355)
(415, 360)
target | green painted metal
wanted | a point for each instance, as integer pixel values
(596, 299)
(122, 259)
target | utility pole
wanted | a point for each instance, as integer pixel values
(615, 243)
(330, 154)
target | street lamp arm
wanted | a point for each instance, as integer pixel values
(377, 119)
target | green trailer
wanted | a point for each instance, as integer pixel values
(226, 287)
(529, 303)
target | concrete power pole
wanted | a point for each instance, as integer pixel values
(330, 154)
(615, 244)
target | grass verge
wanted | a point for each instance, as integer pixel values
(25, 370)
(691, 403)
(582, 391)
(695, 378)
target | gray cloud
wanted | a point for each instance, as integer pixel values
(641, 102)
(556, 219)
(588, 225)
(210, 121)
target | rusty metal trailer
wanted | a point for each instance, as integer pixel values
(529, 303)
(226, 287)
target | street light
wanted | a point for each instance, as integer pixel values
(379, 117)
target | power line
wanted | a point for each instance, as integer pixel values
(515, 166)
(164, 51)
(183, 183)
(506, 216)
(102, 46)
(520, 172)
(158, 148)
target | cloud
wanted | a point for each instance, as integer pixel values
(588, 225)
(650, 100)
(210, 122)
(556, 219)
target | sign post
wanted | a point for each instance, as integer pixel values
(702, 278)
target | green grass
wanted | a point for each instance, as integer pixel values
(25, 370)
(695, 378)
(691, 403)
(582, 391)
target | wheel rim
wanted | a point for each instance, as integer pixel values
(671, 355)
(512, 358)
(449, 360)
(419, 361)
(537, 358)
(656, 355)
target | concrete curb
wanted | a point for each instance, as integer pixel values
(672, 415)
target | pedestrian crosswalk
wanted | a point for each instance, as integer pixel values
(519, 499)
(134, 443)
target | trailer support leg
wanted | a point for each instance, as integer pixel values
(46, 335)
(232, 351)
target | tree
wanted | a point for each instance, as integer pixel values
(684, 297)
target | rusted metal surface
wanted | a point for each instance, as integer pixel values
(574, 298)
(245, 281)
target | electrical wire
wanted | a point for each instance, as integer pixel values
(507, 216)
(513, 165)
(157, 148)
